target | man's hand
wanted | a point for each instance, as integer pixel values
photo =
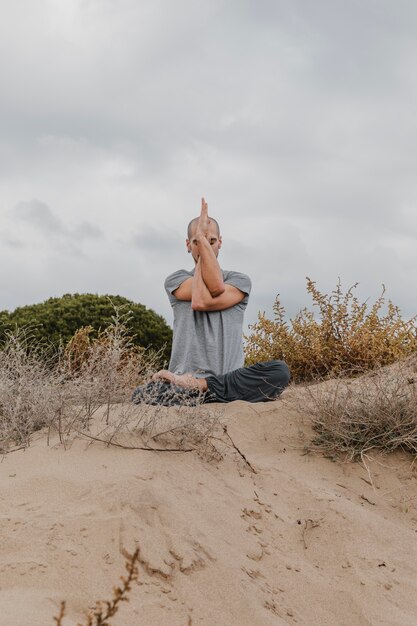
(203, 222)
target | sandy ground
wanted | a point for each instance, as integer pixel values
(301, 539)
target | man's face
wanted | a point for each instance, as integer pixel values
(213, 238)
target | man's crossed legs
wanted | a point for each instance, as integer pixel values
(257, 383)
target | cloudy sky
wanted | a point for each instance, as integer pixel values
(296, 120)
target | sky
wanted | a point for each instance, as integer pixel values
(296, 120)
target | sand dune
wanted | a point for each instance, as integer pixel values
(300, 539)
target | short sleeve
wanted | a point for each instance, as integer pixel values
(173, 281)
(239, 280)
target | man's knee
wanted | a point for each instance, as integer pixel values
(277, 373)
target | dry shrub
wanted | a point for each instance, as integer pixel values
(63, 389)
(104, 369)
(377, 411)
(189, 426)
(348, 336)
(87, 388)
(32, 390)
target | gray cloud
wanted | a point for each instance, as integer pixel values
(296, 120)
(10, 240)
(41, 217)
(86, 230)
(157, 239)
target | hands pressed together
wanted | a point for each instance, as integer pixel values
(204, 221)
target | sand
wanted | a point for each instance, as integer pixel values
(300, 540)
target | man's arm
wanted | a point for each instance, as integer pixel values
(194, 290)
(202, 299)
(207, 290)
(185, 290)
(210, 268)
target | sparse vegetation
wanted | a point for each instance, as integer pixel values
(348, 337)
(377, 408)
(86, 389)
(32, 391)
(108, 608)
(103, 368)
(375, 412)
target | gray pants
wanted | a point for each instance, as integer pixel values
(257, 383)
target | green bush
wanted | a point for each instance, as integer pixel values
(57, 320)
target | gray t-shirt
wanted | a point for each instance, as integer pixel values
(207, 342)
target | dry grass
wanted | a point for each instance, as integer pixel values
(181, 426)
(32, 390)
(377, 408)
(347, 337)
(104, 370)
(86, 389)
(377, 411)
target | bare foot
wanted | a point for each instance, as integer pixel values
(164, 375)
(187, 381)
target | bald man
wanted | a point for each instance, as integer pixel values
(207, 353)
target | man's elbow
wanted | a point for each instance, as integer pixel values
(198, 305)
(218, 290)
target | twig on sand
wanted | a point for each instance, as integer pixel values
(366, 500)
(4, 451)
(239, 451)
(146, 448)
(363, 456)
(108, 608)
(61, 615)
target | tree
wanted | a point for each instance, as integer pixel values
(57, 319)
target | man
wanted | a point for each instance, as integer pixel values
(207, 352)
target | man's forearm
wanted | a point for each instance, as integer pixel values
(211, 273)
(200, 293)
